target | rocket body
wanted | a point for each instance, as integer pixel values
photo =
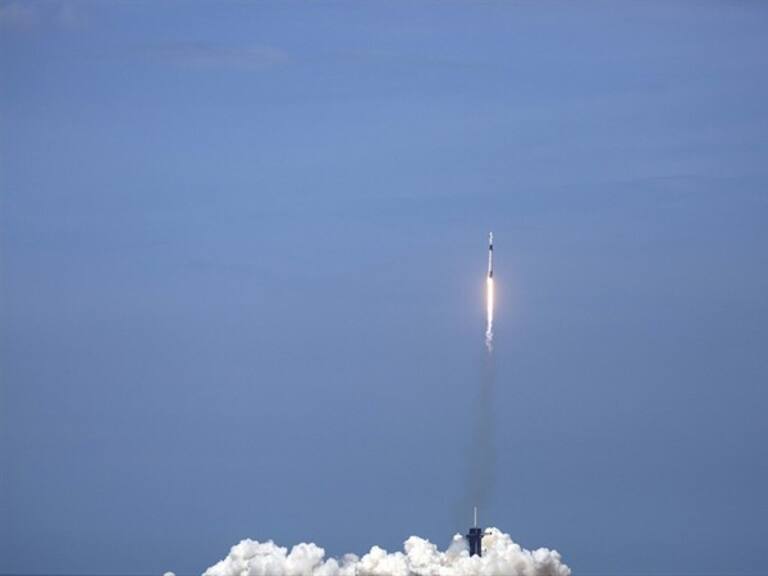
(490, 255)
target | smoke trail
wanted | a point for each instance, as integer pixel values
(481, 469)
(419, 558)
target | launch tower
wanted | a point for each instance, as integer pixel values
(475, 539)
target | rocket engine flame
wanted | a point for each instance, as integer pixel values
(489, 297)
(489, 324)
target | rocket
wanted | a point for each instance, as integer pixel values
(490, 255)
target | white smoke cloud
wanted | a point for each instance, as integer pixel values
(501, 557)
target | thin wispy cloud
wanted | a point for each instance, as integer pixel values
(17, 14)
(216, 55)
(25, 15)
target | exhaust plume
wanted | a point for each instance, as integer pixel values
(489, 297)
(482, 453)
(489, 312)
(501, 556)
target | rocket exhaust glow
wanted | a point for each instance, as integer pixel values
(489, 296)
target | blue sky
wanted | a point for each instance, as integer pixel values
(242, 256)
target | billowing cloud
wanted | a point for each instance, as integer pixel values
(501, 557)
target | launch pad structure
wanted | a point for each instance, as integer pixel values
(475, 539)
